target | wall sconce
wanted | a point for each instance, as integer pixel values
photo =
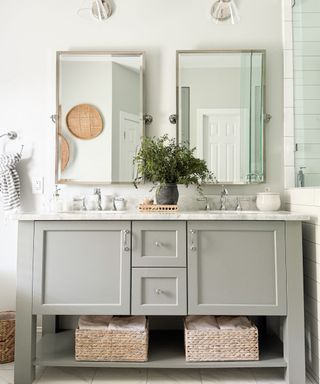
(223, 10)
(100, 10)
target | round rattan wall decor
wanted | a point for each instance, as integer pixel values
(84, 121)
(64, 152)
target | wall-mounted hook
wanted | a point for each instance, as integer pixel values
(12, 135)
(267, 117)
(173, 119)
(148, 119)
(53, 118)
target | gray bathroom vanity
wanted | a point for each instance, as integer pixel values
(159, 265)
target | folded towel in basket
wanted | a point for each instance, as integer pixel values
(130, 323)
(201, 322)
(231, 322)
(97, 323)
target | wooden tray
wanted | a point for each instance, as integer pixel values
(84, 122)
(157, 208)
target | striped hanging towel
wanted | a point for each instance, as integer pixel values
(9, 181)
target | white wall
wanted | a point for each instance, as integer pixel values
(30, 33)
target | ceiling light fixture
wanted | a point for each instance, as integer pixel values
(224, 10)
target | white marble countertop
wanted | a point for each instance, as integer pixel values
(180, 215)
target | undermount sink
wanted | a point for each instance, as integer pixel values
(233, 212)
(92, 212)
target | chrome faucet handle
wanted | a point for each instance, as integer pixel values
(84, 207)
(97, 191)
(224, 191)
(114, 203)
(224, 194)
(238, 206)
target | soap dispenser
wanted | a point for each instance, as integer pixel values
(301, 178)
(56, 203)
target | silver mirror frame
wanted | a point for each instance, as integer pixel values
(263, 51)
(57, 119)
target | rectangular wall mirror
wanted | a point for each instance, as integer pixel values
(221, 109)
(99, 116)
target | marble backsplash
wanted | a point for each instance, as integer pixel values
(189, 198)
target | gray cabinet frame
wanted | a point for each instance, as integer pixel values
(293, 330)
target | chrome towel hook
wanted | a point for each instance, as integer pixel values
(12, 135)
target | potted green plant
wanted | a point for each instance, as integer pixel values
(165, 164)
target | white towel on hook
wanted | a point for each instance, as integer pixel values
(9, 181)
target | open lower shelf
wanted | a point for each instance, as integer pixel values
(166, 351)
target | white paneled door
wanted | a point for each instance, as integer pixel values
(130, 128)
(219, 142)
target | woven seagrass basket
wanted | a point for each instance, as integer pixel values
(221, 344)
(111, 345)
(7, 336)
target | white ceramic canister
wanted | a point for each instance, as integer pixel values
(107, 202)
(93, 202)
(268, 201)
(120, 203)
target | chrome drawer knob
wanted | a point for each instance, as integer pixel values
(158, 291)
(158, 244)
(193, 248)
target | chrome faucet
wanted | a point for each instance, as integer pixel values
(223, 198)
(97, 191)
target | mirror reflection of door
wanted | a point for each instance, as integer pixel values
(221, 111)
(129, 143)
(219, 142)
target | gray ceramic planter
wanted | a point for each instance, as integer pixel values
(167, 194)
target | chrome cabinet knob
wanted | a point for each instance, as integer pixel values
(158, 291)
(158, 244)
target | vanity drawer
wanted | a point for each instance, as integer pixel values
(159, 244)
(159, 291)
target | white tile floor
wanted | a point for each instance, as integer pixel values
(143, 376)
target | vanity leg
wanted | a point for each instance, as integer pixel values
(293, 332)
(26, 322)
(49, 324)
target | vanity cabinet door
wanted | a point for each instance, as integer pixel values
(236, 268)
(82, 267)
